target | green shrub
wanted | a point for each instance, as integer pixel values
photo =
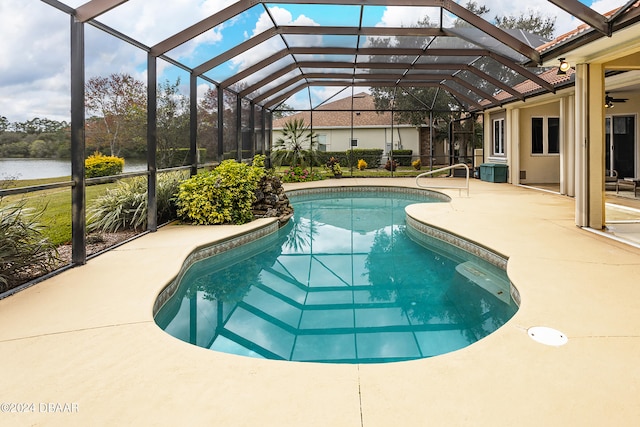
(100, 165)
(350, 158)
(323, 157)
(372, 156)
(258, 160)
(223, 195)
(22, 246)
(125, 206)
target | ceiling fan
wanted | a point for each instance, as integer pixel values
(609, 100)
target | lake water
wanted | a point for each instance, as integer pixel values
(50, 168)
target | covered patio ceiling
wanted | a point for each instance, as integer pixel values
(454, 50)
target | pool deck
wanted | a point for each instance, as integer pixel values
(86, 338)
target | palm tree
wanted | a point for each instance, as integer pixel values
(296, 146)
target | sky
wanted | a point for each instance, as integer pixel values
(34, 43)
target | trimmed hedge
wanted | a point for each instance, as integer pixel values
(372, 156)
(349, 158)
(98, 164)
(403, 157)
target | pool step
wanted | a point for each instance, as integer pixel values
(486, 279)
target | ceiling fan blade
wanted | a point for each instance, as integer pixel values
(609, 98)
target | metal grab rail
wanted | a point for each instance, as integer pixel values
(456, 166)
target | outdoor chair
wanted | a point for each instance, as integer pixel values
(611, 180)
(628, 182)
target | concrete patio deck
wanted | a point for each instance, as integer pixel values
(86, 339)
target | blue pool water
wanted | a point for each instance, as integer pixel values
(343, 282)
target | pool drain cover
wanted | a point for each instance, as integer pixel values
(547, 336)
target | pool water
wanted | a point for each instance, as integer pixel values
(343, 282)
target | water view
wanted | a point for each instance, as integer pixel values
(51, 168)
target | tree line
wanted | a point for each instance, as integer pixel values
(37, 138)
(116, 124)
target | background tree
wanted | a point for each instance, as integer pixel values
(208, 123)
(416, 104)
(4, 124)
(39, 138)
(283, 110)
(119, 102)
(532, 22)
(172, 123)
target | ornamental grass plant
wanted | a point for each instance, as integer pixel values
(23, 248)
(124, 207)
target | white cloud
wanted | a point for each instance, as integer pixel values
(400, 16)
(35, 61)
(275, 44)
(604, 6)
(34, 72)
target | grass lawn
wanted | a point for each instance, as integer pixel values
(54, 205)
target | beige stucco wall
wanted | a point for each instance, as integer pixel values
(539, 168)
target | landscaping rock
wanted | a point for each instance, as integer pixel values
(271, 201)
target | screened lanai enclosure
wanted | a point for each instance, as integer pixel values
(215, 80)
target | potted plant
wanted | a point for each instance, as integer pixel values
(391, 165)
(337, 171)
(334, 166)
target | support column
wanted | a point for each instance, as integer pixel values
(220, 124)
(239, 127)
(589, 132)
(252, 127)
(596, 156)
(567, 146)
(487, 146)
(581, 135)
(78, 200)
(513, 145)
(152, 142)
(193, 124)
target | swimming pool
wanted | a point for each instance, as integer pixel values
(346, 281)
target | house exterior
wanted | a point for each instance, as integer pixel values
(570, 137)
(338, 128)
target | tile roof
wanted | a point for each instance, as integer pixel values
(551, 75)
(364, 114)
(578, 30)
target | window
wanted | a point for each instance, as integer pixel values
(498, 137)
(322, 143)
(545, 135)
(553, 135)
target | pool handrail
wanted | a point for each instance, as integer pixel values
(456, 166)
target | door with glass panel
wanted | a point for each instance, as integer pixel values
(620, 140)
